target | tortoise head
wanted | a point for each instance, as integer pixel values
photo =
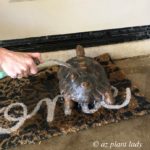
(81, 87)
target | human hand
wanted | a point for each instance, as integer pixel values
(17, 64)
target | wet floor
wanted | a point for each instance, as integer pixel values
(125, 135)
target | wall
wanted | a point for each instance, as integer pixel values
(29, 18)
(117, 51)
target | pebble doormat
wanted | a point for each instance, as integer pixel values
(30, 91)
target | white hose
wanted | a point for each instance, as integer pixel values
(50, 113)
(115, 91)
(51, 62)
(125, 103)
(51, 109)
(99, 104)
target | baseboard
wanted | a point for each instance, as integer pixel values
(69, 41)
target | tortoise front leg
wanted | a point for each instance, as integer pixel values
(108, 98)
(68, 104)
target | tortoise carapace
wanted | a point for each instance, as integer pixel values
(85, 83)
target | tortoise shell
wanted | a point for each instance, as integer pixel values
(84, 82)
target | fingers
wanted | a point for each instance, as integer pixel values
(10, 72)
(22, 74)
(26, 69)
(25, 72)
(21, 70)
(18, 65)
(36, 56)
(32, 66)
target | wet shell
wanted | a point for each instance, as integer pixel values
(86, 81)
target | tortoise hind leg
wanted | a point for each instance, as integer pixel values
(108, 98)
